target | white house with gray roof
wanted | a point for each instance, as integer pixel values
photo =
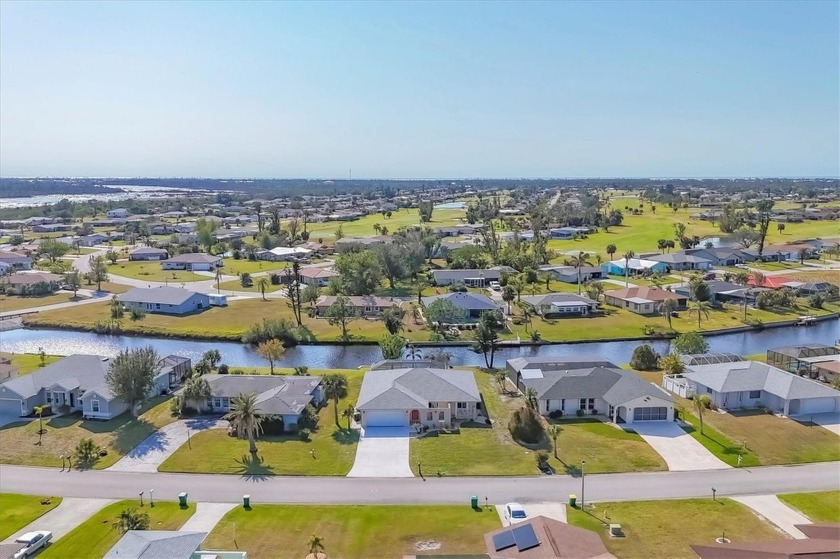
(470, 277)
(561, 305)
(164, 300)
(283, 396)
(418, 396)
(591, 385)
(77, 381)
(192, 261)
(749, 384)
(148, 253)
(471, 305)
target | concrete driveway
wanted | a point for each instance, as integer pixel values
(830, 421)
(382, 452)
(68, 515)
(148, 455)
(771, 508)
(679, 449)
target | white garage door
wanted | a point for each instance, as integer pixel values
(9, 407)
(386, 419)
(650, 414)
(816, 405)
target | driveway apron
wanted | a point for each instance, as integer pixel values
(680, 450)
(382, 452)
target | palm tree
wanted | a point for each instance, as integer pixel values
(700, 404)
(554, 431)
(531, 399)
(262, 285)
(518, 284)
(245, 419)
(577, 261)
(700, 308)
(39, 411)
(414, 353)
(218, 279)
(667, 307)
(527, 313)
(196, 391)
(627, 256)
(131, 519)
(508, 295)
(348, 415)
(335, 388)
(803, 254)
(610, 250)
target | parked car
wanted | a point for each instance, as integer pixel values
(32, 542)
(514, 512)
(495, 286)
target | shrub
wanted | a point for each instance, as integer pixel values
(138, 314)
(274, 279)
(245, 280)
(579, 413)
(237, 372)
(304, 434)
(87, 453)
(308, 418)
(817, 300)
(272, 328)
(644, 358)
(525, 426)
(556, 414)
(224, 369)
(302, 370)
(175, 406)
(542, 459)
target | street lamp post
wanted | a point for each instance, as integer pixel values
(582, 484)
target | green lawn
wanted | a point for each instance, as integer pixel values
(16, 302)
(819, 507)
(29, 362)
(235, 267)
(770, 439)
(19, 441)
(482, 450)
(335, 448)
(361, 227)
(17, 511)
(668, 528)
(353, 532)
(639, 280)
(831, 276)
(95, 536)
(151, 271)
(236, 285)
(775, 266)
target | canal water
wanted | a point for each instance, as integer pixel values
(63, 342)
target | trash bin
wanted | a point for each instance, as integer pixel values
(182, 500)
(474, 502)
(573, 501)
(246, 501)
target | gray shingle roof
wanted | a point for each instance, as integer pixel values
(407, 388)
(556, 362)
(83, 371)
(750, 375)
(162, 295)
(549, 298)
(148, 250)
(192, 257)
(276, 395)
(616, 386)
(156, 544)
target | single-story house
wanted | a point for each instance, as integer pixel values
(154, 544)
(472, 305)
(642, 299)
(418, 396)
(192, 261)
(569, 274)
(347, 243)
(77, 381)
(51, 228)
(789, 251)
(148, 253)
(516, 365)
(364, 305)
(541, 537)
(285, 254)
(723, 292)
(34, 283)
(16, 260)
(749, 384)
(568, 232)
(317, 276)
(722, 256)
(681, 261)
(634, 266)
(561, 305)
(470, 277)
(118, 213)
(164, 300)
(319, 249)
(283, 396)
(621, 395)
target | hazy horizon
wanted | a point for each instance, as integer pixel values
(459, 91)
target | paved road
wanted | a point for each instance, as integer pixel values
(335, 490)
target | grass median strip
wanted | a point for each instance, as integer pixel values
(823, 506)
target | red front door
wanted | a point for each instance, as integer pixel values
(415, 416)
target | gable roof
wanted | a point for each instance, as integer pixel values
(193, 257)
(643, 292)
(556, 298)
(86, 372)
(359, 301)
(148, 250)
(156, 544)
(559, 363)
(750, 375)
(416, 387)
(276, 395)
(556, 540)
(466, 300)
(164, 295)
(616, 386)
(678, 258)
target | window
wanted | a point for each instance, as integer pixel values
(462, 405)
(708, 390)
(441, 416)
(429, 416)
(157, 306)
(587, 403)
(94, 406)
(755, 394)
(217, 403)
(49, 397)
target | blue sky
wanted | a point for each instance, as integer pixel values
(399, 89)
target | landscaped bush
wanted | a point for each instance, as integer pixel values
(542, 459)
(308, 418)
(525, 426)
(579, 413)
(274, 426)
(87, 453)
(304, 434)
(274, 279)
(644, 358)
(224, 369)
(175, 406)
(555, 414)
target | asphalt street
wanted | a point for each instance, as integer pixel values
(453, 490)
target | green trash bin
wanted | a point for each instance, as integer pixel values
(573, 501)
(182, 500)
(246, 501)
(474, 502)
